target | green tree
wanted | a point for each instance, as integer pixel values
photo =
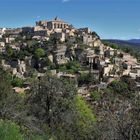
(8, 100)
(39, 53)
(95, 95)
(118, 87)
(9, 51)
(87, 79)
(84, 121)
(55, 104)
(50, 98)
(17, 82)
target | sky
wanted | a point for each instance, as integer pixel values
(111, 19)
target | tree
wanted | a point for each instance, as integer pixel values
(39, 53)
(95, 95)
(85, 120)
(8, 100)
(9, 51)
(87, 79)
(55, 105)
(118, 87)
(118, 112)
(17, 82)
(50, 98)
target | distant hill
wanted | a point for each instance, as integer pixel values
(137, 41)
(133, 43)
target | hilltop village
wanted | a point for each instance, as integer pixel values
(58, 48)
(58, 82)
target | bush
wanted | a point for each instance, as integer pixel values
(10, 131)
(86, 79)
(72, 67)
(95, 95)
(84, 110)
(84, 121)
(9, 51)
(17, 82)
(118, 87)
(39, 53)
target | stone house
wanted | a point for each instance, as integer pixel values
(2, 46)
(16, 67)
(28, 31)
(41, 33)
(9, 40)
(59, 54)
(88, 40)
(60, 36)
(13, 33)
(84, 31)
(97, 42)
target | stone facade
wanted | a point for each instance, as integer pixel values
(60, 54)
(54, 24)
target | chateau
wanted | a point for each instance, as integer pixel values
(54, 24)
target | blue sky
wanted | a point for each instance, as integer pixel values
(118, 19)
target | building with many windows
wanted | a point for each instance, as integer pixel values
(53, 24)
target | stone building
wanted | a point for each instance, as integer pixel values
(13, 32)
(9, 39)
(54, 24)
(2, 47)
(60, 36)
(88, 40)
(27, 30)
(84, 30)
(59, 54)
(2, 32)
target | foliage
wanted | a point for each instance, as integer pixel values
(19, 38)
(84, 109)
(118, 87)
(71, 67)
(84, 121)
(9, 101)
(5, 85)
(39, 53)
(79, 40)
(86, 79)
(17, 82)
(94, 34)
(9, 51)
(50, 98)
(112, 45)
(131, 48)
(95, 95)
(12, 80)
(10, 131)
(97, 50)
(54, 103)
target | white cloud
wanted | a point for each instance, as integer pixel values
(65, 1)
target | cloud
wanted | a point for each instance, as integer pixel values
(65, 1)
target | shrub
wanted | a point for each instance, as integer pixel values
(10, 131)
(95, 95)
(17, 82)
(39, 53)
(118, 87)
(86, 79)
